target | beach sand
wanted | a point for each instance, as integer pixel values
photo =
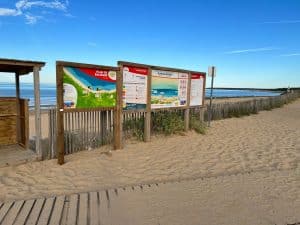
(264, 142)
(257, 157)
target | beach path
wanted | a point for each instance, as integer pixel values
(243, 171)
(251, 198)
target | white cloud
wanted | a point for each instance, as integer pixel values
(23, 8)
(9, 12)
(289, 55)
(30, 19)
(251, 50)
(24, 4)
(282, 22)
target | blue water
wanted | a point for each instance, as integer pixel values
(240, 93)
(165, 92)
(48, 93)
(90, 81)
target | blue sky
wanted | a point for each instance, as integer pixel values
(252, 43)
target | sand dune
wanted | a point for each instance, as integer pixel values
(267, 141)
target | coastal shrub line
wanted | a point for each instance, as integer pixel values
(165, 122)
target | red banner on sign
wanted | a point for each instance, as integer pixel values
(137, 70)
(197, 75)
(99, 74)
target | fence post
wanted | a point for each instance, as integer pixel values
(147, 118)
(60, 116)
(103, 119)
(187, 110)
(118, 111)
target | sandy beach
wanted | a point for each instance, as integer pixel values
(268, 141)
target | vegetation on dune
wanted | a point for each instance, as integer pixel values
(162, 122)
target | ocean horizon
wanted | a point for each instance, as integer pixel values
(48, 93)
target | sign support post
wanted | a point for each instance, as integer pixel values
(212, 74)
(60, 150)
(118, 111)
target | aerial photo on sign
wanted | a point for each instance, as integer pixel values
(169, 89)
(197, 88)
(89, 88)
(134, 87)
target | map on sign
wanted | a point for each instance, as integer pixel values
(89, 88)
(169, 89)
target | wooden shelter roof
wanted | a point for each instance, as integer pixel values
(21, 67)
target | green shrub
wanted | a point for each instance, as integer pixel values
(167, 122)
(134, 128)
(197, 125)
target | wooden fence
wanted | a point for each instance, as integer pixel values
(84, 130)
(244, 108)
(88, 129)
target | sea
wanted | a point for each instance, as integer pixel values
(48, 93)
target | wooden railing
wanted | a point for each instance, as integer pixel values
(84, 130)
(89, 129)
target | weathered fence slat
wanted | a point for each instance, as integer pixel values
(85, 129)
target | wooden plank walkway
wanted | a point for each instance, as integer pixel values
(90, 208)
(173, 203)
(76, 209)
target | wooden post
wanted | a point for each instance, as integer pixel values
(147, 118)
(37, 104)
(17, 79)
(187, 110)
(60, 116)
(203, 107)
(118, 127)
(26, 124)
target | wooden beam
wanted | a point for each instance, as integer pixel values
(187, 111)
(37, 108)
(21, 62)
(118, 125)
(147, 122)
(85, 65)
(158, 67)
(17, 79)
(60, 116)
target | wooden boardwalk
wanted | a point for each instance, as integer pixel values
(190, 202)
(75, 209)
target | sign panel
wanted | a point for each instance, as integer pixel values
(169, 89)
(197, 86)
(89, 88)
(134, 87)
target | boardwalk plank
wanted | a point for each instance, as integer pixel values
(94, 211)
(83, 209)
(104, 208)
(13, 212)
(57, 210)
(72, 212)
(4, 209)
(25, 211)
(46, 212)
(35, 212)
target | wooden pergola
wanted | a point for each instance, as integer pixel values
(19, 68)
